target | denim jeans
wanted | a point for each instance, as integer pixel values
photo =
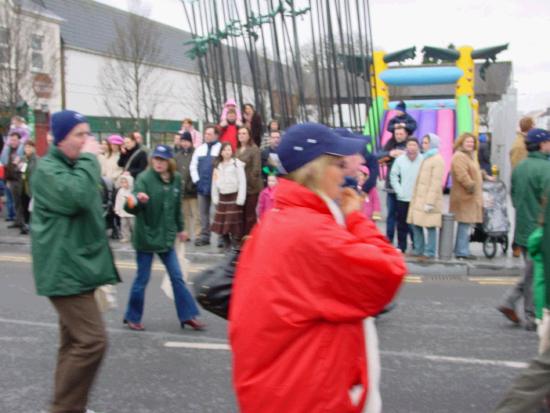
(462, 244)
(185, 304)
(10, 207)
(403, 229)
(391, 205)
(421, 247)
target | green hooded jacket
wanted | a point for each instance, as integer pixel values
(70, 250)
(159, 219)
(529, 181)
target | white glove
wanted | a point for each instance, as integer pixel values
(543, 331)
(428, 208)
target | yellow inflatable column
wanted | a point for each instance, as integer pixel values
(465, 91)
(380, 95)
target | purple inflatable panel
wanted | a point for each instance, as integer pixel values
(446, 133)
(427, 124)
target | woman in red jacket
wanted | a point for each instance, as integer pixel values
(314, 269)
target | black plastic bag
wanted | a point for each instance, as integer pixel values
(213, 286)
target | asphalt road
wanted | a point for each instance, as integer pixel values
(444, 349)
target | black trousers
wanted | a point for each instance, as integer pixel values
(402, 227)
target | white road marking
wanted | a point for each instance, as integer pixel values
(200, 346)
(458, 360)
(214, 343)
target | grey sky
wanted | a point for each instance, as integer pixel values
(398, 24)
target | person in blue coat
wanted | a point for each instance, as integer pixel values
(403, 119)
(201, 167)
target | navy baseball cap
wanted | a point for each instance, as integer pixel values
(163, 151)
(538, 136)
(305, 142)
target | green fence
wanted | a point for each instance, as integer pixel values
(162, 131)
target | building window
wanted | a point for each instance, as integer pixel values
(36, 50)
(4, 45)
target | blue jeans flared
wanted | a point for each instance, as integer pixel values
(186, 307)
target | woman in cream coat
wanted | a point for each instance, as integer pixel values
(427, 201)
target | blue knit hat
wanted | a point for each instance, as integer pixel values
(61, 123)
(401, 106)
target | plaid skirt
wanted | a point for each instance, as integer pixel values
(229, 217)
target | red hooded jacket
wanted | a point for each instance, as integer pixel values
(229, 134)
(303, 286)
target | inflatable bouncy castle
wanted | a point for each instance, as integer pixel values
(447, 118)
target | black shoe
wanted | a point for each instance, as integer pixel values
(202, 242)
(14, 226)
(24, 231)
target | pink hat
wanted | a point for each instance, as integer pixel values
(115, 140)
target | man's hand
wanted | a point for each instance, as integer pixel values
(350, 201)
(428, 208)
(142, 197)
(91, 145)
(183, 236)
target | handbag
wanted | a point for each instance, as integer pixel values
(213, 286)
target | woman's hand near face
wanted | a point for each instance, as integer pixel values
(350, 201)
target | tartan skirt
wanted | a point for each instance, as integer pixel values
(229, 217)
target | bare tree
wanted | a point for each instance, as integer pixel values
(28, 56)
(129, 79)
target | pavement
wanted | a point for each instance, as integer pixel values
(500, 265)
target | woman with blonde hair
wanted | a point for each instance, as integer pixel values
(312, 271)
(466, 200)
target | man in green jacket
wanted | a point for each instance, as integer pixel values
(529, 389)
(71, 254)
(529, 181)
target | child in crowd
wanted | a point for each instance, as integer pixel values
(267, 196)
(125, 184)
(228, 195)
(229, 129)
(372, 202)
(230, 104)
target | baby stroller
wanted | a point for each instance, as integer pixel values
(108, 195)
(496, 224)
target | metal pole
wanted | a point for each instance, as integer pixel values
(446, 237)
